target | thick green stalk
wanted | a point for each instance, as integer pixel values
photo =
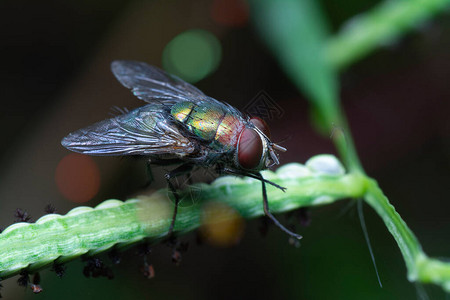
(420, 267)
(116, 223)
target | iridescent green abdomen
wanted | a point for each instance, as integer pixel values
(209, 122)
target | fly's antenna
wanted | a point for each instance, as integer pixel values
(278, 147)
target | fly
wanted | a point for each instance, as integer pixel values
(181, 125)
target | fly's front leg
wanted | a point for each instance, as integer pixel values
(181, 170)
(264, 192)
(269, 214)
(255, 176)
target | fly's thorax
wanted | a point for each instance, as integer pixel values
(181, 111)
(201, 120)
(228, 132)
(210, 123)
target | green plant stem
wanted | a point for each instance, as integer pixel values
(377, 27)
(420, 267)
(345, 146)
(85, 230)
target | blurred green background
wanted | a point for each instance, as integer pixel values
(55, 78)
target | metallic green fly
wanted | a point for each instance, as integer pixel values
(181, 126)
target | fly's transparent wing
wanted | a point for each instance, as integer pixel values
(143, 131)
(152, 84)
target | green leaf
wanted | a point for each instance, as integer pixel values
(379, 26)
(297, 33)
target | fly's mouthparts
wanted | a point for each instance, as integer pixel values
(274, 158)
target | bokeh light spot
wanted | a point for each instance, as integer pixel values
(192, 55)
(231, 13)
(222, 226)
(153, 209)
(77, 177)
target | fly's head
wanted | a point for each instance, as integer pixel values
(255, 151)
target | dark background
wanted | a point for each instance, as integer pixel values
(55, 78)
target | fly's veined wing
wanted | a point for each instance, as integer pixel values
(152, 84)
(143, 131)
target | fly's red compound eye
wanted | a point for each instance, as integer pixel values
(250, 149)
(261, 125)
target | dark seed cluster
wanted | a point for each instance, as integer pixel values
(147, 269)
(35, 285)
(59, 269)
(301, 216)
(143, 249)
(22, 216)
(114, 256)
(50, 209)
(177, 249)
(264, 226)
(24, 278)
(96, 268)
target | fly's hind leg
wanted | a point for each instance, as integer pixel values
(181, 170)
